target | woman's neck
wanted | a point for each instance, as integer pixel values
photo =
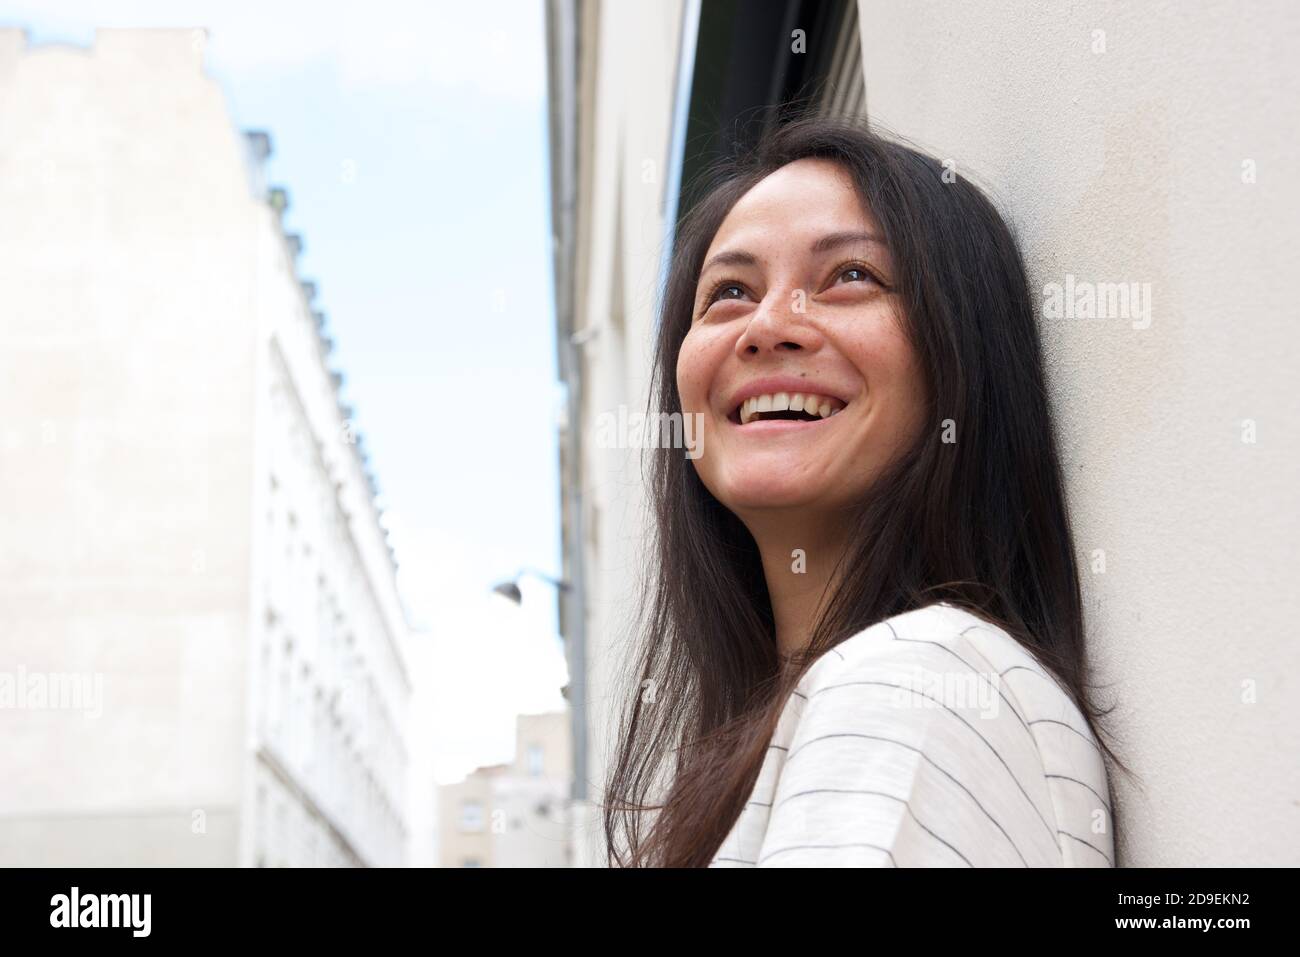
(799, 554)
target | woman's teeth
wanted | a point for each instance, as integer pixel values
(812, 406)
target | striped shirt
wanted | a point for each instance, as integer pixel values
(932, 739)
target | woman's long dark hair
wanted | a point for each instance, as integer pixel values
(980, 522)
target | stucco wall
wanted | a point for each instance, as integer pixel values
(125, 457)
(1127, 156)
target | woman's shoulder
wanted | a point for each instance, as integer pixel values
(953, 715)
(953, 652)
(940, 633)
(960, 661)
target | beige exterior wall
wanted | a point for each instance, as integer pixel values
(1135, 165)
(465, 820)
(535, 795)
(185, 522)
(517, 814)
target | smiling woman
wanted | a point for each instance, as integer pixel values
(814, 319)
(878, 512)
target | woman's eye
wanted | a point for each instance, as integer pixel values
(721, 291)
(725, 289)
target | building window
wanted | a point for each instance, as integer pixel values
(535, 760)
(471, 816)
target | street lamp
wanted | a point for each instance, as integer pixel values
(510, 587)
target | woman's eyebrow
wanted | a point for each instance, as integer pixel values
(740, 257)
(835, 240)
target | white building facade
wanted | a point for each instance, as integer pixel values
(189, 526)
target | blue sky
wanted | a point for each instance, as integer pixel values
(411, 139)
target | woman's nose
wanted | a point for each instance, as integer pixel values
(779, 324)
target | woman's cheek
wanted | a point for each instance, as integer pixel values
(899, 387)
(692, 374)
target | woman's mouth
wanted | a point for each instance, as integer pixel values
(796, 407)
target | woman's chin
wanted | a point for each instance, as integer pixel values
(771, 492)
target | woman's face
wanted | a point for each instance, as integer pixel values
(795, 318)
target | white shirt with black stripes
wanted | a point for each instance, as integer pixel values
(932, 739)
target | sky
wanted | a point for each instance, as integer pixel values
(411, 138)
